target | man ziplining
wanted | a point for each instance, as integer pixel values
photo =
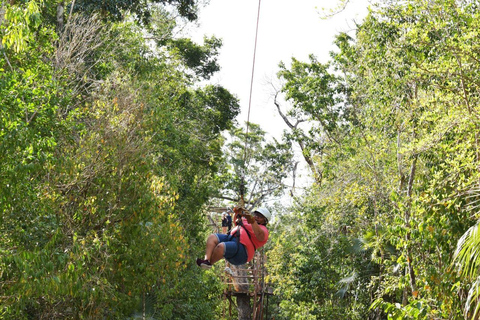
(238, 247)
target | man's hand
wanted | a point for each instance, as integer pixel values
(250, 218)
(238, 214)
(238, 210)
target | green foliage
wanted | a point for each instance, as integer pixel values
(106, 162)
(109, 149)
(314, 92)
(418, 309)
(466, 256)
(19, 25)
(395, 165)
(214, 105)
(115, 10)
(317, 266)
(201, 59)
(254, 167)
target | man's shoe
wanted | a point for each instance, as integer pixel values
(205, 264)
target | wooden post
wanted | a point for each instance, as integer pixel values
(244, 307)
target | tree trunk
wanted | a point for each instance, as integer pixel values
(239, 276)
(2, 18)
(244, 307)
(60, 16)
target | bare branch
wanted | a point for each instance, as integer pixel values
(334, 12)
(305, 153)
(81, 35)
(294, 177)
(236, 200)
(60, 16)
(284, 117)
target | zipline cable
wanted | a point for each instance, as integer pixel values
(251, 81)
(250, 101)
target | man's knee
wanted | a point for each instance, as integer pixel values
(212, 238)
(220, 247)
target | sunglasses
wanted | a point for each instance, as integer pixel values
(258, 214)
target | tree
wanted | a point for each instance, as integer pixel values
(317, 96)
(395, 183)
(201, 59)
(106, 162)
(255, 168)
(116, 10)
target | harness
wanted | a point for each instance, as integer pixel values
(237, 234)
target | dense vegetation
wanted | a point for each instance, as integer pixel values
(108, 155)
(395, 150)
(111, 148)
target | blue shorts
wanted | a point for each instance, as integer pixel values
(235, 252)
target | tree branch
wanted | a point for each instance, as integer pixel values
(306, 154)
(236, 200)
(340, 9)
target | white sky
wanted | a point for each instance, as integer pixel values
(287, 29)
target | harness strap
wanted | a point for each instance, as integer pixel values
(248, 233)
(230, 237)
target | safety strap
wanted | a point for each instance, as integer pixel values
(230, 237)
(248, 233)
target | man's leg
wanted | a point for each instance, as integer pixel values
(212, 242)
(215, 250)
(218, 253)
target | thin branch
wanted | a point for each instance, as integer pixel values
(284, 117)
(334, 13)
(306, 155)
(236, 200)
(294, 175)
(6, 58)
(71, 10)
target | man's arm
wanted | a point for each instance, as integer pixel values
(259, 232)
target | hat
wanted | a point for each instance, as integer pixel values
(264, 212)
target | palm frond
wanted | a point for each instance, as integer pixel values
(473, 295)
(346, 283)
(468, 251)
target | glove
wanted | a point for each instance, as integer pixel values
(237, 217)
(238, 210)
(250, 218)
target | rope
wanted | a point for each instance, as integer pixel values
(251, 82)
(242, 186)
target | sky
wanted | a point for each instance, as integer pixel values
(286, 29)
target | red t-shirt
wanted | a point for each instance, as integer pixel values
(245, 240)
